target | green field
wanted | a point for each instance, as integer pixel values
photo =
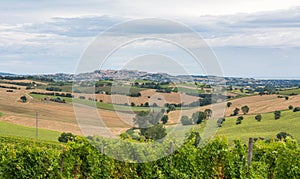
(188, 90)
(100, 105)
(27, 132)
(290, 91)
(267, 128)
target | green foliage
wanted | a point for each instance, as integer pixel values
(220, 121)
(229, 104)
(258, 117)
(198, 117)
(23, 98)
(155, 132)
(185, 120)
(213, 159)
(283, 135)
(239, 120)
(66, 137)
(277, 114)
(296, 109)
(165, 119)
(235, 111)
(208, 113)
(245, 109)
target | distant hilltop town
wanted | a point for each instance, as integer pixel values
(160, 77)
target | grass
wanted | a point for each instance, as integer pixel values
(290, 91)
(41, 96)
(63, 88)
(111, 107)
(188, 90)
(267, 128)
(100, 105)
(27, 132)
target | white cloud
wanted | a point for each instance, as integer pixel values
(40, 31)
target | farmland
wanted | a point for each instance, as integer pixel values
(62, 118)
(9, 129)
(267, 128)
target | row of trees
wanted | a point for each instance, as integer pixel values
(197, 117)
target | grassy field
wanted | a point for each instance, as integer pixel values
(267, 128)
(100, 105)
(290, 91)
(27, 132)
(189, 90)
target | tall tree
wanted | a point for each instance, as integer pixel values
(185, 120)
(245, 109)
(198, 117)
(229, 104)
(208, 113)
(277, 114)
(236, 111)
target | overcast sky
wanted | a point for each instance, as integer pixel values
(249, 38)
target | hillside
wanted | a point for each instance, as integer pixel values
(267, 128)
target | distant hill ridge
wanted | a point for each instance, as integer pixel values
(6, 74)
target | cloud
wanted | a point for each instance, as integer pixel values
(59, 36)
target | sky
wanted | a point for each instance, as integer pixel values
(259, 39)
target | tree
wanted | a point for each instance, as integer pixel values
(291, 107)
(229, 104)
(23, 99)
(185, 120)
(239, 120)
(283, 135)
(132, 104)
(208, 113)
(165, 119)
(198, 117)
(277, 114)
(66, 136)
(286, 98)
(245, 109)
(146, 104)
(236, 111)
(155, 132)
(220, 121)
(296, 109)
(258, 117)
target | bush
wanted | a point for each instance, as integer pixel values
(185, 120)
(220, 121)
(258, 117)
(66, 137)
(239, 120)
(277, 114)
(283, 135)
(296, 109)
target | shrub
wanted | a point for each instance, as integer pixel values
(185, 120)
(277, 114)
(258, 117)
(283, 135)
(296, 109)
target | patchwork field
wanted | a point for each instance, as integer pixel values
(61, 117)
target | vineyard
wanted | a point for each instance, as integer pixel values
(25, 158)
